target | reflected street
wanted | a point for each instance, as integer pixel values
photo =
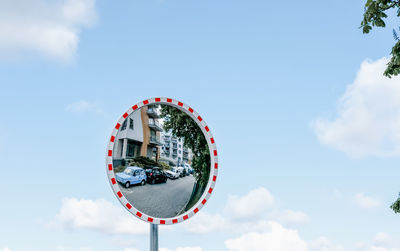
(162, 200)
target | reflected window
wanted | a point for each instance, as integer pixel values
(121, 143)
(123, 125)
(153, 135)
(130, 150)
(128, 171)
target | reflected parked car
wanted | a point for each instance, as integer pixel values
(155, 175)
(181, 170)
(188, 169)
(173, 173)
(131, 175)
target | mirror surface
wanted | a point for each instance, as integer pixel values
(161, 160)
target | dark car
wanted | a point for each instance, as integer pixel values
(183, 173)
(155, 175)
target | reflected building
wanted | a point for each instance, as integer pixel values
(139, 135)
(173, 150)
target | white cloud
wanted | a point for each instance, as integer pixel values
(292, 217)
(82, 106)
(378, 248)
(323, 244)
(62, 248)
(368, 120)
(182, 249)
(251, 212)
(255, 234)
(5, 249)
(251, 205)
(382, 238)
(385, 242)
(271, 230)
(366, 202)
(205, 222)
(189, 249)
(123, 242)
(277, 238)
(51, 28)
(99, 215)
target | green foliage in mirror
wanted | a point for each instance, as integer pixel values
(185, 127)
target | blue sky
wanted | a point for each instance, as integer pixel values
(305, 124)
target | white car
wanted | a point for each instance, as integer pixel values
(180, 171)
(172, 174)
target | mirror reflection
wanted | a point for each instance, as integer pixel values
(161, 160)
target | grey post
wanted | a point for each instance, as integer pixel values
(153, 237)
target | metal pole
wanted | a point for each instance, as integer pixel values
(153, 237)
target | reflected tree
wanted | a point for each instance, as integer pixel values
(183, 126)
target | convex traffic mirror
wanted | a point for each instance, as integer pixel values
(162, 161)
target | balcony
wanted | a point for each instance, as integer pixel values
(154, 124)
(153, 113)
(155, 141)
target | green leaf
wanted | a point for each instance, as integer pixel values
(366, 28)
(396, 206)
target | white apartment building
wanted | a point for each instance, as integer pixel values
(173, 150)
(139, 135)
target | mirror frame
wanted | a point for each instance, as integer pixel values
(213, 163)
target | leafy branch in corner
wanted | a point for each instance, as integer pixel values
(396, 205)
(374, 15)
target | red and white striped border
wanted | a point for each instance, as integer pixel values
(213, 168)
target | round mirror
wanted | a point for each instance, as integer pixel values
(162, 161)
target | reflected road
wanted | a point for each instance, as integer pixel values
(163, 200)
